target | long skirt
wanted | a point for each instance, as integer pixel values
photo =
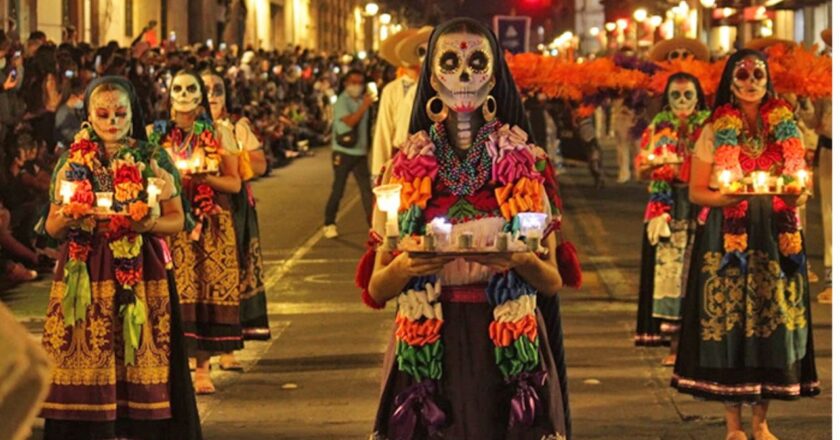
(93, 394)
(253, 308)
(746, 337)
(472, 392)
(207, 277)
(663, 273)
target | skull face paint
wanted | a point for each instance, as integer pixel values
(462, 73)
(679, 53)
(215, 94)
(110, 113)
(185, 93)
(682, 97)
(749, 80)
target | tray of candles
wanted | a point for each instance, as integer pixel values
(197, 167)
(760, 183)
(432, 245)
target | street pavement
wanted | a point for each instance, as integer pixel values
(319, 376)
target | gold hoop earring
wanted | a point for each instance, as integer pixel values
(489, 108)
(439, 115)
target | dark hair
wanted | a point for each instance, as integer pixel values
(225, 83)
(724, 92)
(351, 72)
(508, 103)
(683, 76)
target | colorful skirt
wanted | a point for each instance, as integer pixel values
(253, 308)
(93, 394)
(472, 392)
(207, 278)
(663, 274)
(746, 338)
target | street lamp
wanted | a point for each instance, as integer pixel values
(640, 14)
(656, 21)
(385, 18)
(594, 31)
(371, 9)
(610, 27)
(622, 24)
(707, 3)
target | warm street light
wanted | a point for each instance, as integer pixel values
(371, 9)
(610, 27)
(621, 23)
(594, 31)
(656, 20)
(640, 14)
(707, 3)
(385, 18)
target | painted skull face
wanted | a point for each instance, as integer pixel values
(682, 97)
(215, 94)
(462, 71)
(185, 93)
(110, 113)
(679, 53)
(749, 80)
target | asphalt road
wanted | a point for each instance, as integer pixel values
(318, 377)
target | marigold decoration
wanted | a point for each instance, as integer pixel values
(128, 174)
(661, 143)
(783, 155)
(708, 74)
(800, 70)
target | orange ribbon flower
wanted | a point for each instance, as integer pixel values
(418, 333)
(524, 196)
(504, 333)
(417, 192)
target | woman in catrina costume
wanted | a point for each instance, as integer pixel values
(477, 347)
(253, 312)
(205, 257)
(113, 327)
(670, 219)
(746, 334)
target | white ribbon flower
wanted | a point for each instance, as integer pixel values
(512, 311)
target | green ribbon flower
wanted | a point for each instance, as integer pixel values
(77, 294)
(425, 362)
(522, 355)
(412, 222)
(134, 316)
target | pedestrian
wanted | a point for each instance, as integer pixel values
(204, 255)
(253, 313)
(350, 143)
(113, 327)
(746, 334)
(665, 160)
(470, 337)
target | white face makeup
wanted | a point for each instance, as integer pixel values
(110, 114)
(462, 73)
(682, 97)
(185, 93)
(215, 94)
(679, 53)
(749, 80)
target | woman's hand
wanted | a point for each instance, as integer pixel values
(729, 199)
(168, 189)
(503, 261)
(143, 226)
(420, 266)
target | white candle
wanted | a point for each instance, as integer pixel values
(441, 229)
(68, 189)
(104, 200)
(388, 201)
(153, 190)
(724, 178)
(182, 165)
(760, 181)
(651, 157)
(803, 177)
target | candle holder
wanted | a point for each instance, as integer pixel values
(429, 242)
(153, 189)
(465, 240)
(67, 191)
(104, 202)
(442, 231)
(502, 241)
(388, 201)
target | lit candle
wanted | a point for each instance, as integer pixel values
(441, 229)
(651, 157)
(153, 190)
(104, 200)
(725, 178)
(212, 165)
(780, 184)
(803, 178)
(531, 226)
(388, 201)
(760, 181)
(68, 189)
(182, 165)
(195, 164)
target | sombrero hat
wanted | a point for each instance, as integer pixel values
(411, 49)
(388, 49)
(826, 36)
(763, 43)
(660, 51)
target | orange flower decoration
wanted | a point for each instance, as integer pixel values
(76, 210)
(418, 333)
(790, 243)
(524, 196)
(735, 242)
(138, 210)
(417, 192)
(504, 333)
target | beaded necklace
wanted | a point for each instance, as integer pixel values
(464, 177)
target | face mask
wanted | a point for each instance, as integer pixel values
(355, 90)
(463, 71)
(682, 97)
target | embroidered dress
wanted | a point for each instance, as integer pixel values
(470, 356)
(205, 255)
(100, 388)
(664, 264)
(746, 331)
(253, 308)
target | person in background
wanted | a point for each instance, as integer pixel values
(350, 147)
(70, 113)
